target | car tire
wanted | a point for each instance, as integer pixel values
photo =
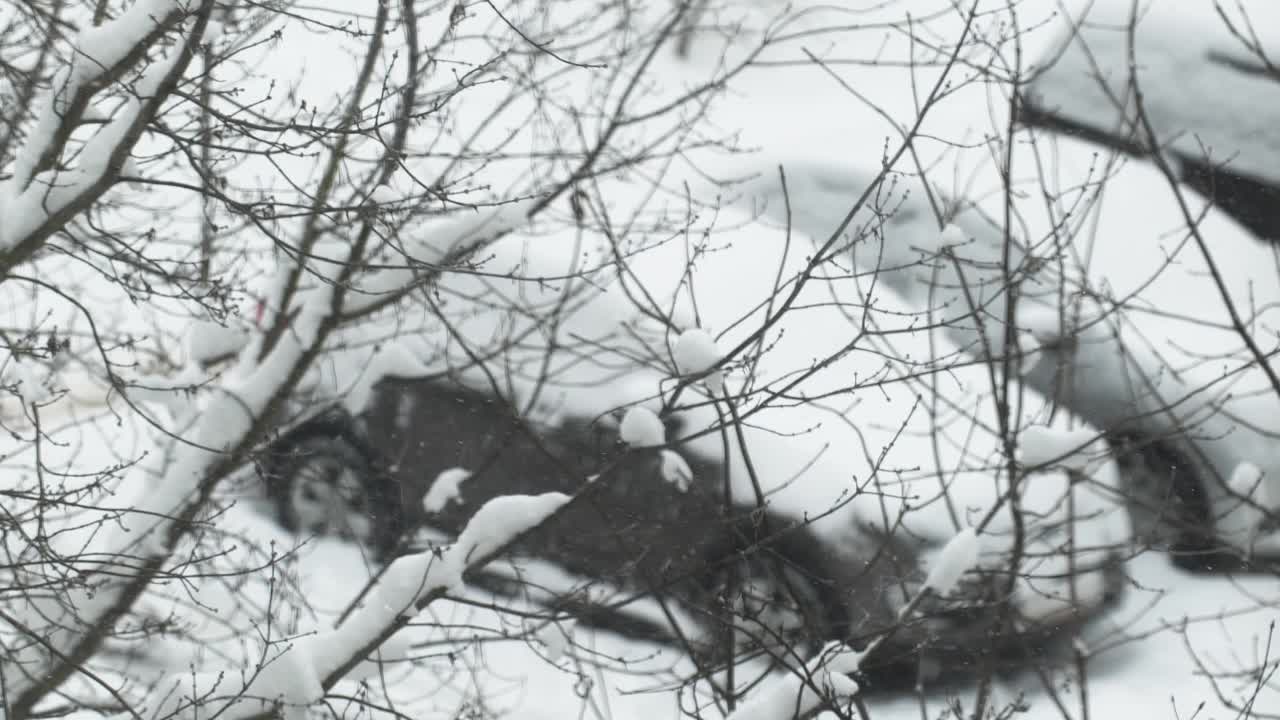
(322, 480)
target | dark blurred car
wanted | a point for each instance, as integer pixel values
(365, 478)
(737, 571)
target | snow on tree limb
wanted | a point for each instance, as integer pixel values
(958, 556)
(696, 353)
(800, 692)
(676, 470)
(448, 243)
(71, 628)
(33, 210)
(1071, 449)
(445, 489)
(1244, 523)
(419, 579)
(299, 675)
(102, 54)
(502, 519)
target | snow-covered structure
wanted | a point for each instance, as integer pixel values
(1134, 335)
(1208, 85)
(853, 439)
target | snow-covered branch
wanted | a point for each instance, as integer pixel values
(72, 625)
(803, 690)
(300, 674)
(453, 243)
(222, 431)
(825, 678)
(38, 199)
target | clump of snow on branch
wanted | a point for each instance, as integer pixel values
(393, 600)
(641, 428)
(675, 470)
(295, 675)
(952, 235)
(30, 387)
(556, 636)
(1071, 449)
(436, 244)
(801, 691)
(385, 196)
(1242, 525)
(1246, 481)
(502, 519)
(959, 556)
(696, 353)
(445, 489)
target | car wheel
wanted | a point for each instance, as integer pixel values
(775, 604)
(765, 598)
(326, 485)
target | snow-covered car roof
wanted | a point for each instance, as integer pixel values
(1206, 85)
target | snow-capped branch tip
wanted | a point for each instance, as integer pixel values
(642, 428)
(1244, 524)
(800, 692)
(952, 234)
(696, 353)
(676, 470)
(1246, 481)
(501, 520)
(556, 636)
(446, 488)
(410, 582)
(958, 556)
